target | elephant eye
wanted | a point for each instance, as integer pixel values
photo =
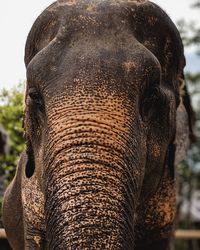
(35, 96)
(154, 104)
(149, 104)
(146, 109)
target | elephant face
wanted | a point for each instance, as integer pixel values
(103, 80)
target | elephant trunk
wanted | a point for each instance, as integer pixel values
(91, 181)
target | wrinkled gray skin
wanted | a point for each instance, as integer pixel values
(104, 108)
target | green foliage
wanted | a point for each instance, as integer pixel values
(11, 117)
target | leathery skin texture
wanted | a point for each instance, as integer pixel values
(104, 102)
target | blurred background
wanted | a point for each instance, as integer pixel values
(16, 20)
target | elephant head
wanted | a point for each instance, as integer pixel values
(104, 82)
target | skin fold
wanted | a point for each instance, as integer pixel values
(106, 122)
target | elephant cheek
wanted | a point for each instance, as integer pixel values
(93, 174)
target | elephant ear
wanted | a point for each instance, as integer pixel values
(185, 119)
(42, 33)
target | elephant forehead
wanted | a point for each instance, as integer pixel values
(93, 2)
(100, 15)
(108, 23)
(114, 65)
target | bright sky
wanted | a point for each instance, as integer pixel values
(17, 17)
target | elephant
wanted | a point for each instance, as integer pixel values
(107, 120)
